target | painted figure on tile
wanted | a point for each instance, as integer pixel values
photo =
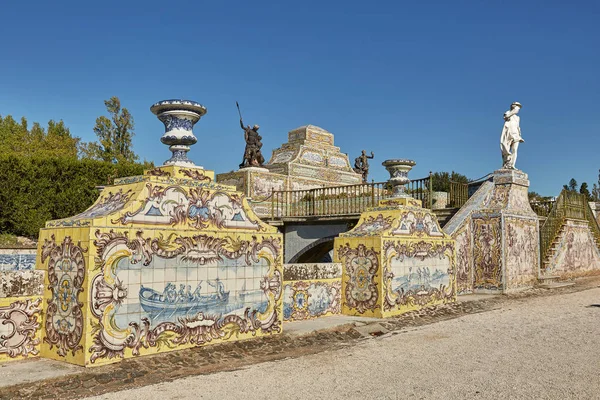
(252, 154)
(511, 136)
(361, 164)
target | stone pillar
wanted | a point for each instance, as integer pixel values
(505, 236)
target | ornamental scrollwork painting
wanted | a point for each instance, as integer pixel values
(360, 265)
(197, 208)
(487, 253)
(20, 324)
(66, 273)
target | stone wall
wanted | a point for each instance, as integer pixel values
(311, 291)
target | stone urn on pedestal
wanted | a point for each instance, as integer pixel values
(179, 118)
(399, 169)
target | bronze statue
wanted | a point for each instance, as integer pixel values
(361, 165)
(252, 154)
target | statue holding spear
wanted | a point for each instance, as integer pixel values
(252, 154)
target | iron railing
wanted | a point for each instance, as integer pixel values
(459, 194)
(341, 200)
(542, 208)
(570, 205)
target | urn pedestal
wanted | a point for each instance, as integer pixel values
(497, 235)
(397, 258)
(163, 261)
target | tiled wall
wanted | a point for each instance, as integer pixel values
(395, 260)
(20, 314)
(311, 290)
(17, 259)
(161, 263)
(575, 252)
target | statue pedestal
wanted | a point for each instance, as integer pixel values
(505, 236)
(397, 259)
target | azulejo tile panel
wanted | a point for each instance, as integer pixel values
(185, 262)
(177, 290)
(311, 290)
(361, 278)
(311, 271)
(17, 259)
(311, 299)
(20, 327)
(576, 252)
(522, 251)
(417, 273)
(497, 236)
(21, 283)
(66, 266)
(487, 252)
(396, 259)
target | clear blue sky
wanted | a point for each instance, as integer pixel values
(426, 80)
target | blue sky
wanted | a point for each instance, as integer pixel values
(425, 80)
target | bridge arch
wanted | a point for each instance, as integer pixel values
(317, 251)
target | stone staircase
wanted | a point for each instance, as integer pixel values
(445, 214)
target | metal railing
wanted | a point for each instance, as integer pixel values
(570, 205)
(459, 194)
(341, 200)
(542, 208)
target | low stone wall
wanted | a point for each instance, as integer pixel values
(576, 253)
(311, 291)
(20, 314)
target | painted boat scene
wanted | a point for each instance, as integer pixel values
(167, 290)
(419, 276)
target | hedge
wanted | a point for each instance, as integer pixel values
(36, 190)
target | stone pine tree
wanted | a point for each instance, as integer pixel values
(585, 191)
(114, 135)
(596, 189)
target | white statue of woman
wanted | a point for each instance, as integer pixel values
(511, 136)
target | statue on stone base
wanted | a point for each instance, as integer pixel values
(511, 136)
(252, 154)
(361, 165)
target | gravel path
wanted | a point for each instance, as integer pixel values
(534, 348)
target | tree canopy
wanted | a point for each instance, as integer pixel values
(441, 180)
(18, 139)
(114, 134)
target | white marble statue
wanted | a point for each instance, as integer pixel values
(511, 136)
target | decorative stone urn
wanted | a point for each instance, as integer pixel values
(399, 170)
(179, 118)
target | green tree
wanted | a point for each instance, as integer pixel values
(585, 191)
(18, 139)
(441, 180)
(596, 189)
(114, 135)
(571, 186)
